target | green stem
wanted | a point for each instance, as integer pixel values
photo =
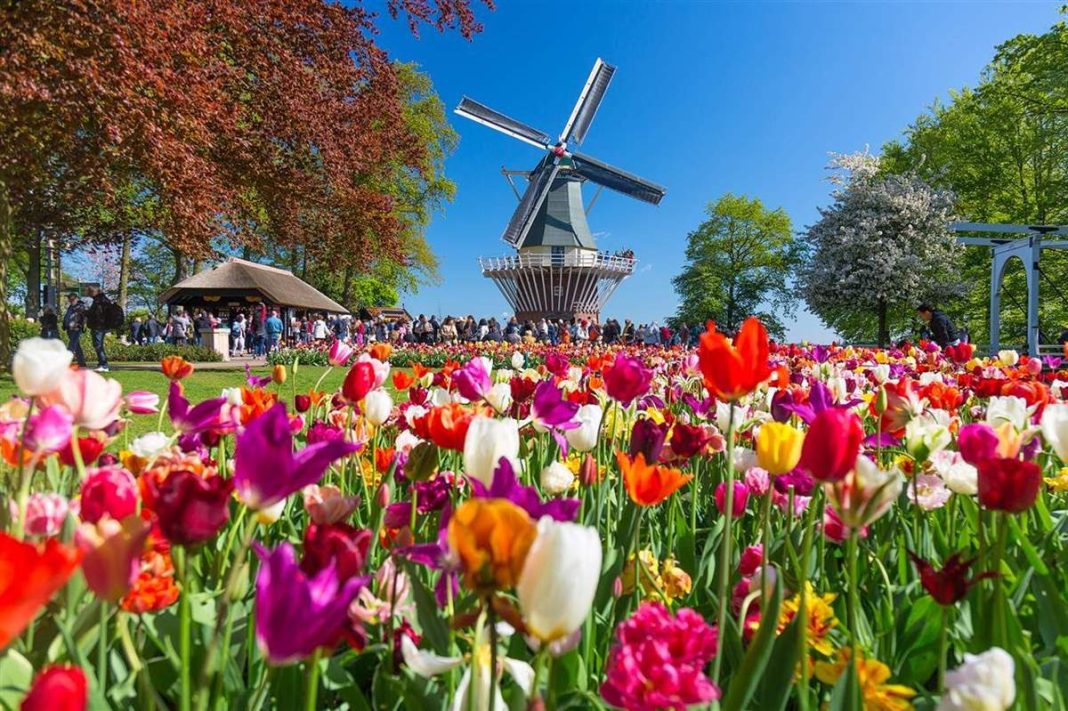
(26, 473)
(102, 648)
(722, 598)
(943, 647)
(1001, 630)
(185, 701)
(802, 576)
(492, 620)
(852, 607)
(312, 694)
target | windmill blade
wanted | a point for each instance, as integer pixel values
(615, 179)
(588, 103)
(541, 181)
(469, 108)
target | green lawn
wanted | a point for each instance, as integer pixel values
(201, 385)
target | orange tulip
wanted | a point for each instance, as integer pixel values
(278, 374)
(402, 380)
(734, 370)
(176, 367)
(420, 370)
(649, 485)
(446, 426)
(29, 576)
(380, 351)
(384, 459)
(491, 538)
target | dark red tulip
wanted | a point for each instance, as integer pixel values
(191, 509)
(949, 585)
(1009, 485)
(688, 440)
(58, 688)
(339, 542)
(832, 444)
(301, 403)
(647, 437)
(359, 381)
(89, 447)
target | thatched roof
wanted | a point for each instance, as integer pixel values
(238, 279)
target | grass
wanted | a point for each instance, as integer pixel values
(201, 385)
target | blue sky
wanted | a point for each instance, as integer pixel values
(708, 98)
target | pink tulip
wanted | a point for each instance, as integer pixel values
(142, 402)
(741, 497)
(340, 353)
(326, 504)
(93, 400)
(108, 491)
(977, 442)
(112, 554)
(49, 430)
(45, 514)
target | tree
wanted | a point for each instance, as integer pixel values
(245, 123)
(1002, 148)
(739, 262)
(883, 247)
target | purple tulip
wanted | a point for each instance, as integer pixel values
(647, 437)
(473, 380)
(506, 486)
(1052, 362)
(437, 556)
(977, 443)
(550, 409)
(265, 468)
(255, 381)
(297, 614)
(200, 417)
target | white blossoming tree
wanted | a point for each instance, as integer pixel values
(881, 248)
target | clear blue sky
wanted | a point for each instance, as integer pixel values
(708, 98)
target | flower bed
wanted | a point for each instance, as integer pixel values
(760, 526)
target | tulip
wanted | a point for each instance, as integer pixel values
(647, 438)
(1011, 409)
(190, 508)
(446, 426)
(949, 585)
(337, 544)
(924, 436)
(265, 469)
(550, 409)
(1055, 429)
(58, 688)
(176, 367)
(960, 476)
(559, 579)
(490, 539)
(326, 504)
(487, 441)
(112, 554)
(278, 374)
(473, 379)
(45, 514)
(93, 400)
(1009, 485)
(733, 370)
(339, 354)
(40, 363)
(142, 402)
(778, 447)
(1008, 357)
(110, 491)
(627, 379)
(31, 575)
(49, 430)
(977, 442)
(649, 485)
(865, 494)
(985, 682)
(88, 447)
(831, 445)
(518, 360)
(556, 479)
(359, 381)
(380, 368)
(377, 407)
(284, 593)
(689, 440)
(741, 498)
(506, 486)
(500, 397)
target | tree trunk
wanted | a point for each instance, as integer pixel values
(124, 270)
(33, 276)
(884, 331)
(179, 266)
(7, 242)
(346, 289)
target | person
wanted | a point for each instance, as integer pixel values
(237, 335)
(180, 325)
(135, 330)
(150, 331)
(97, 319)
(319, 328)
(273, 327)
(49, 323)
(938, 324)
(74, 324)
(448, 332)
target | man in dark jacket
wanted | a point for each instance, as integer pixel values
(98, 325)
(941, 328)
(74, 324)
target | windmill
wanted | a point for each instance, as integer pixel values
(557, 271)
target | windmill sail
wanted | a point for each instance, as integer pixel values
(615, 179)
(469, 108)
(541, 181)
(588, 103)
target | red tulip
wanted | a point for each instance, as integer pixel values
(58, 688)
(949, 585)
(1009, 485)
(301, 403)
(191, 508)
(688, 440)
(110, 491)
(832, 444)
(339, 543)
(29, 576)
(89, 447)
(359, 381)
(734, 370)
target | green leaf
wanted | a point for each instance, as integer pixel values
(432, 624)
(745, 679)
(422, 462)
(16, 675)
(778, 679)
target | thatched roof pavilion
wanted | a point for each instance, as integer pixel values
(237, 283)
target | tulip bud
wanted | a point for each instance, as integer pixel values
(382, 497)
(589, 474)
(301, 403)
(617, 587)
(278, 374)
(881, 401)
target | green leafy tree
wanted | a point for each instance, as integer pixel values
(738, 264)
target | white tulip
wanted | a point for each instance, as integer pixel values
(39, 364)
(439, 397)
(500, 397)
(559, 578)
(1059, 389)
(1055, 429)
(983, 683)
(423, 663)
(880, 373)
(723, 414)
(556, 479)
(1011, 409)
(960, 477)
(413, 413)
(234, 396)
(518, 361)
(584, 437)
(377, 406)
(150, 445)
(488, 440)
(1008, 357)
(924, 435)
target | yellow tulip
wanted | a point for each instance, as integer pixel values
(778, 447)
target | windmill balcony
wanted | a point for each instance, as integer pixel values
(585, 259)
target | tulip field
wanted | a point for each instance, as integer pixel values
(744, 525)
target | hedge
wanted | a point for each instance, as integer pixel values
(118, 351)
